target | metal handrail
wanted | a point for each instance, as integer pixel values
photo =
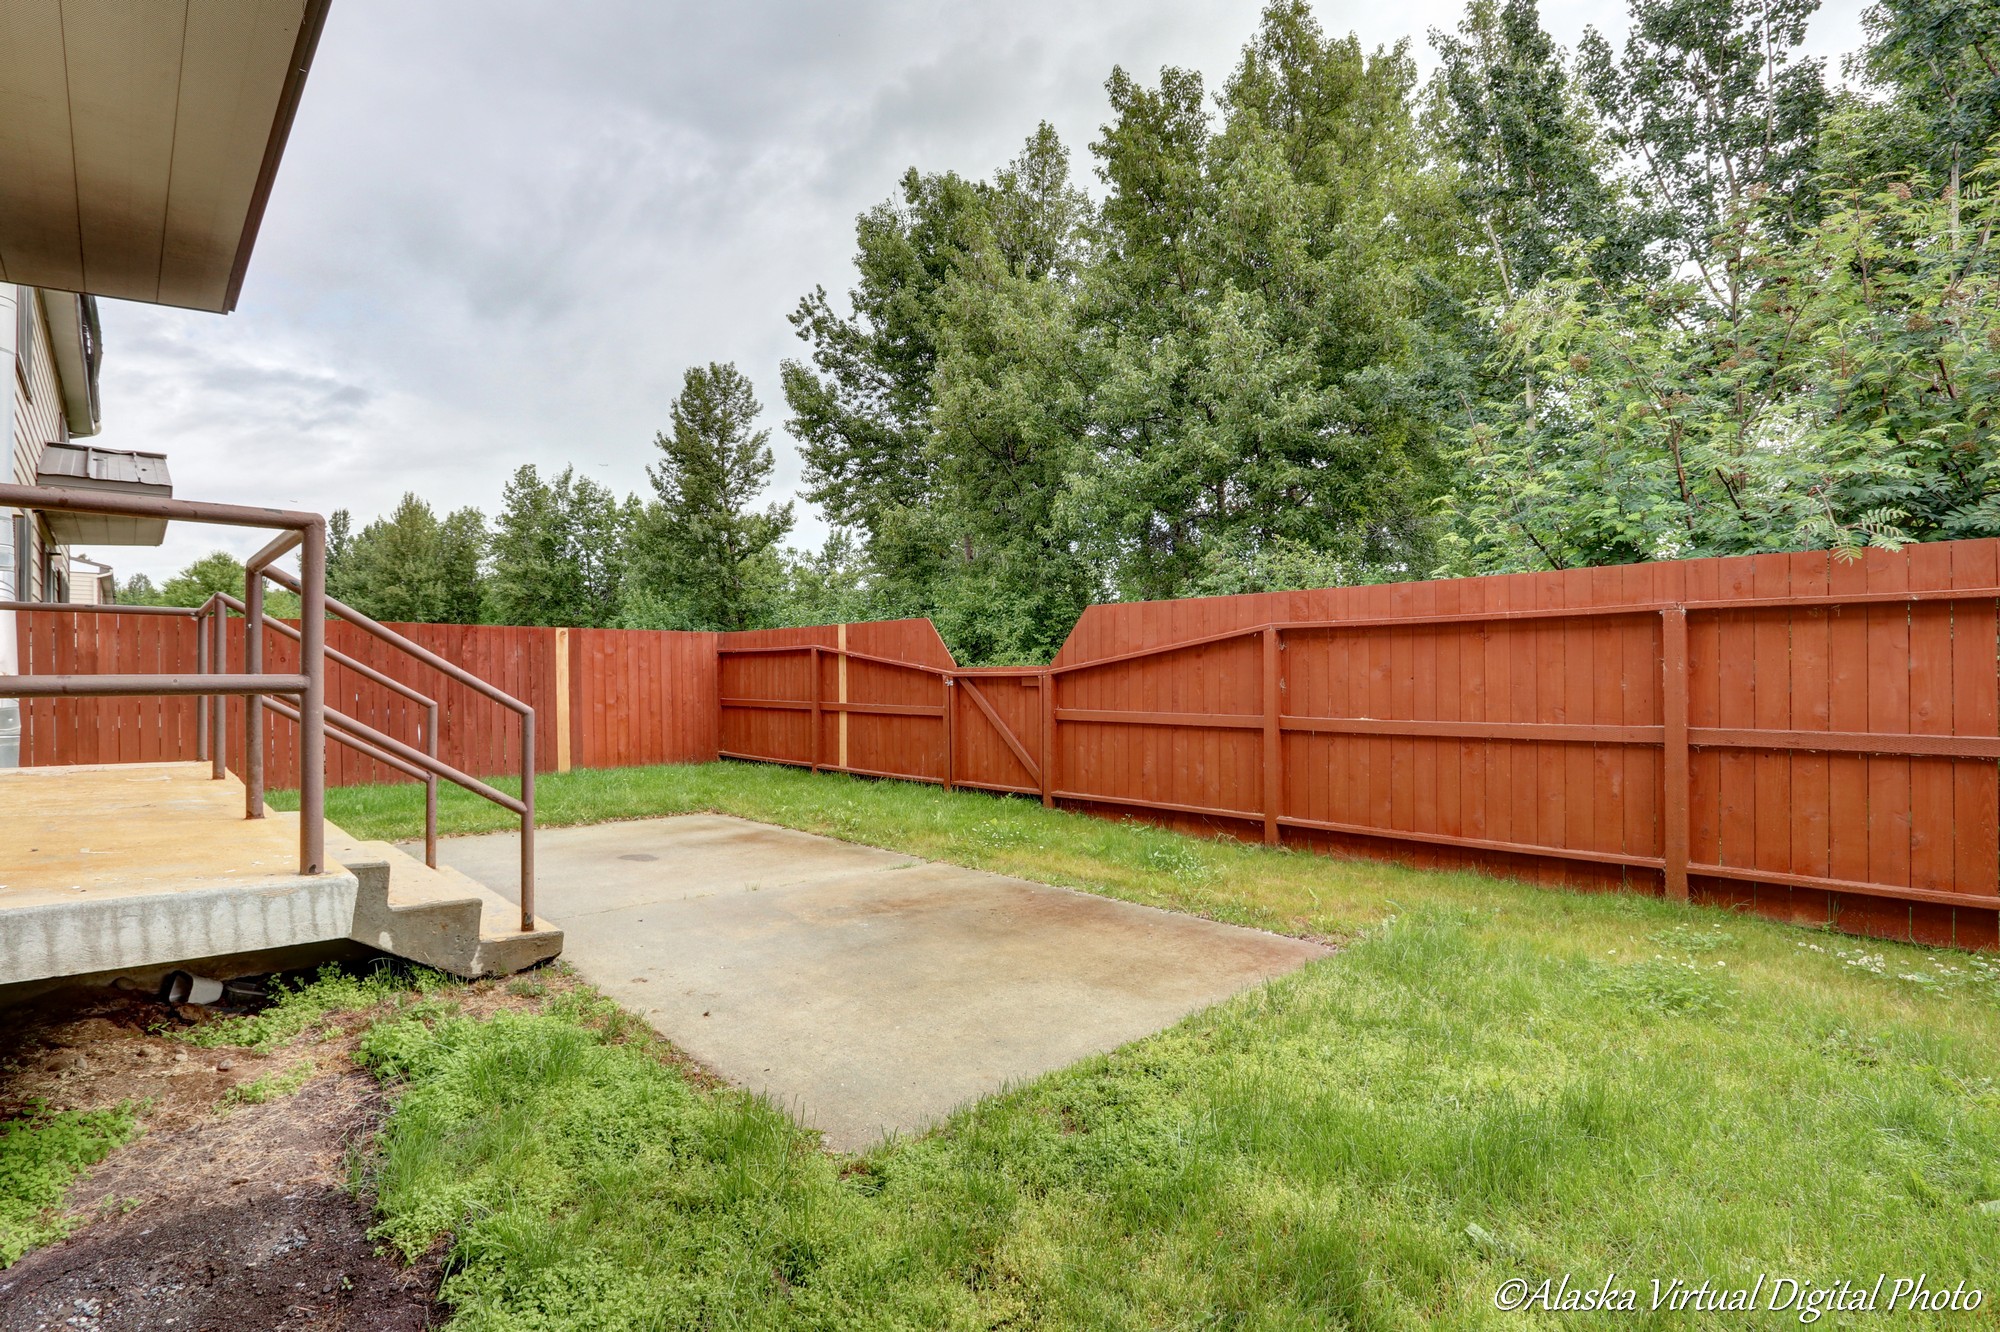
(306, 533)
(355, 743)
(108, 608)
(303, 531)
(429, 779)
(524, 806)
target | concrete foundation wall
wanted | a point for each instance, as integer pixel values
(66, 939)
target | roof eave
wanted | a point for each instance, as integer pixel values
(313, 21)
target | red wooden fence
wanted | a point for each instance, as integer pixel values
(638, 696)
(1810, 738)
(621, 697)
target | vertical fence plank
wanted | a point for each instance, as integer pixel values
(1808, 710)
(1888, 664)
(1049, 751)
(1931, 697)
(1771, 684)
(813, 749)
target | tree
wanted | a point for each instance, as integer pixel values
(219, 571)
(1855, 401)
(1941, 61)
(410, 566)
(1009, 424)
(701, 550)
(861, 410)
(1533, 173)
(559, 551)
(339, 555)
(138, 590)
(1714, 109)
(827, 586)
(1256, 300)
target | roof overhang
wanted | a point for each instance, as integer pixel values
(139, 142)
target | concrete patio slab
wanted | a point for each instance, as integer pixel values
(866, 991)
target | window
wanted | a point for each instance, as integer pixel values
(46, 564)
(10, 563)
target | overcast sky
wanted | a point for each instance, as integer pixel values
(503, 229)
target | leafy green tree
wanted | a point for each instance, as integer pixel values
(138, 590)
(1257, 300)
(410, 566)
(1715, 109)
(826, 586)
(219, 571)
(701, 551)
(861, 409)
(1940, 59)
(1010, 427)
(1854, 402)
(559, 551)
(339, 550)
(1533, 171)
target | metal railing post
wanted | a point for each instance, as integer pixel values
(218, 729)
(317, 605)
(431, 788)
(528, 820)
(253, 705)
(201, 668)
(312, 704)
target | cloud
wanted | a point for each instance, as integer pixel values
(504, 228)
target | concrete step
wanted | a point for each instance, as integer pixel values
(436, 917)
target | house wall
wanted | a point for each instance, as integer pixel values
(38, 419)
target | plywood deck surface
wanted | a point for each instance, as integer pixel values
(121, 830)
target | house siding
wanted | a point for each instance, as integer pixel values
(38, 418)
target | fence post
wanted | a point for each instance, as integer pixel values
(562, 700)
(1273, 771)
(1048, 736)
(950, 726)
(815, 706)
(1674, 776)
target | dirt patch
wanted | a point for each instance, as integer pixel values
(232, 1210)
(226, 1213)
(240, 1220)
(97, 1048)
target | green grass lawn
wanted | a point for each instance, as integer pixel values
(1490, 1080)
